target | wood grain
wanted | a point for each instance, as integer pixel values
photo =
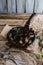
(3, 6)
(12, 22)
(20, 6)
(15, 16)
(11, 6)
(29, 6)
(38, 6)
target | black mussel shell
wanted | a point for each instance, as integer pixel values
(20, 37)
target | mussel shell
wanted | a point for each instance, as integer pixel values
(20, 37)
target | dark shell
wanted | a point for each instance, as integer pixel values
(20, 37)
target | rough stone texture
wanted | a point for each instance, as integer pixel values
(34, 47)
(37, 23)
(21, 57)
(9, 62)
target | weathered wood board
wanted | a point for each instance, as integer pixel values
(20, 6)
(3, 6)
(38, 6)
(29, 6)
(11, 6)
(15, 16)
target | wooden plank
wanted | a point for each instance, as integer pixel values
(11, 6)
(2, 26)
(1, 9)
(20, 6)
(38, 6)
(15, 16)
(12, 22)
(3, 6)
(29, 6)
